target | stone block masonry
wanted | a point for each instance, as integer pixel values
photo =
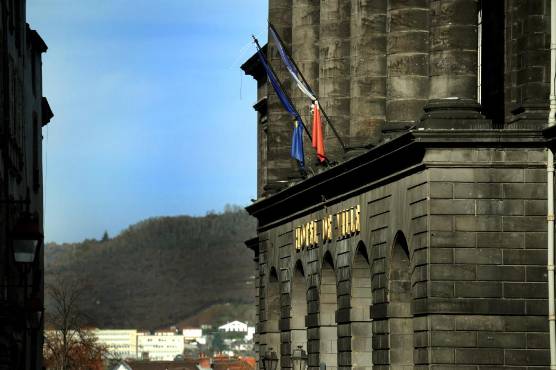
(442, 105)
(447, 271)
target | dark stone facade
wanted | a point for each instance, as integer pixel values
(447, 267)
(23, 111)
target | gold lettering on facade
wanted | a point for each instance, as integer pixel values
(343, 223)
(315, 233)
(311, 235)
(347, 223)
(357, 218)
(327, 228)
(352, 221)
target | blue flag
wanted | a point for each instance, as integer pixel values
(297, 143)
(297, 137)
(294, 72)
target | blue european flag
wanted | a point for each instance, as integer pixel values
(297, 143)
(297, 136)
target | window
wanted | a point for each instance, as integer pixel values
(490, 72)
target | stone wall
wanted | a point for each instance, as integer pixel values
(449, 269)
(24, 111)
(487, 275)
(375, 64)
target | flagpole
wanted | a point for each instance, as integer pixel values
(307, 83)
(284, 90)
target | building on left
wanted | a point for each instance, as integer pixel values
(23, 113)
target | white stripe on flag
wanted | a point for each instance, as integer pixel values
(291, 67)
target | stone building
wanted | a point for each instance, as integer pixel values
(425, 244)
(24, 111)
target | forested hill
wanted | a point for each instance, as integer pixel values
(162, 270)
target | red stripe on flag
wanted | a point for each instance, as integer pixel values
(318, 139)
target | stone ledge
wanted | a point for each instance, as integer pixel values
(384, 163)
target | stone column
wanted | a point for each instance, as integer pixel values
(305, 52)
(259, 285)
(453, 66)
(408, 63)
(454, 49)
(334, 72)
(530, 41)
(281, 167)
(261, 108)
(368, 71)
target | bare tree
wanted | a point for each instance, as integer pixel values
(68, 345)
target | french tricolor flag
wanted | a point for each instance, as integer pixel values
(318, 137)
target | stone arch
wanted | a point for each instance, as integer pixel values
(360, 315)
(328, 305)
(273, 314)
(298, 329)
(399, 305)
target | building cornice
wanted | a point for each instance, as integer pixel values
(253, 66)
(47, 113)
(36, 40)
(384, 163)
(253, 244)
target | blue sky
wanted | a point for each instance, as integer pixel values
(152, 114)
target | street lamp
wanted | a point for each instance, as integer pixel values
(26, 237)
(299, 358)
(270, 360)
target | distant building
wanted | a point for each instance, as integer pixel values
(237, 326)
(132, 344)
(202, 340)
(192, 334)
(122, 366)
(120, 343)
(233, 363)
(23, 111)
(250, 333)
(202, 363)
(159, 365)
(160, 346)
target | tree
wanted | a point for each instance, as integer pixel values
(217, 343)
(105, 236)
(69, 346)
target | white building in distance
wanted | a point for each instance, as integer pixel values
(160, 346)
(132, 344)
(236, 326)
(250, 333)
(121, 343)
(122, 366)
(192, 334)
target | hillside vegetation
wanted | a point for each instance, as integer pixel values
(163, 271)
